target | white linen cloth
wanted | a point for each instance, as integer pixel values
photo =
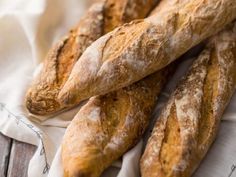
(27, 30)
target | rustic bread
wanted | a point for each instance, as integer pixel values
(108, 126)
(135, 50)
(189, 122)
(102, 17)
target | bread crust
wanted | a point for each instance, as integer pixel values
(189, 122)
(137, 49)
(102, 17)
(109, 125)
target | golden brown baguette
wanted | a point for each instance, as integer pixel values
(102, 17)
(189, 122)
(108, 126)
(139, 48)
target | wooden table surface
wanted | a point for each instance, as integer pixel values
(14, 157)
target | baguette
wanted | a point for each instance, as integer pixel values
(189, 122)
(135, 50)
(102, 17)
(108, 126)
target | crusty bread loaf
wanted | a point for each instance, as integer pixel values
(108, 126)
(189, 122)
(139, 48)
(102, 17)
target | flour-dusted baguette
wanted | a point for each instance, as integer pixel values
(108, 126)
(189, 122)
(102, 17)
(142, 47)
